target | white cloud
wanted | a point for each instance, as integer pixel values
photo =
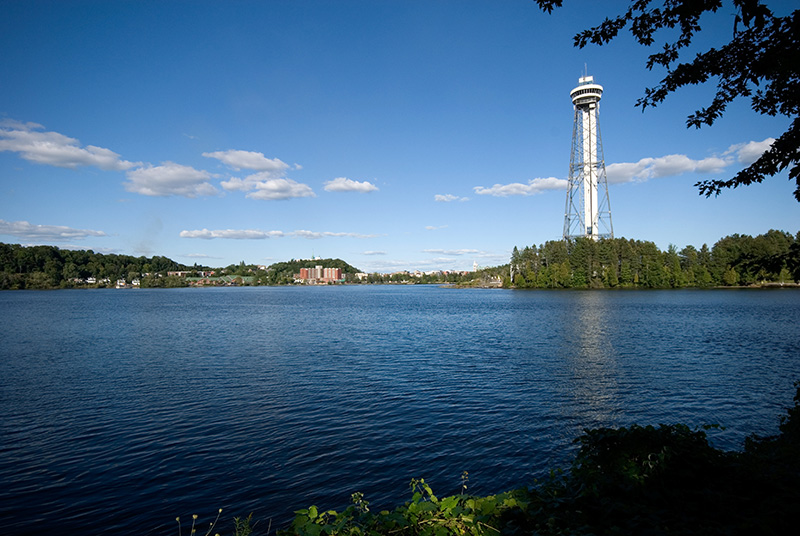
(169, 179)
(28, 231)
(342, 184)
(747, 153)
(678, 164)
(314, 235)
(711, 165)
(663, 166)
(235, 234)
(534, 186)
(265, 185)
(237, 184)
(374, 253)
(54, 149)
(269, 182)
(452, 252)
(446, 198)
(249, 160)
(274, 189)
(435, 227)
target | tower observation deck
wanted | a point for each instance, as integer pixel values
(588, 211)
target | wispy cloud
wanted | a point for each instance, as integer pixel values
(534, 186)
(452, 252)
(342, 184)
(233, 234)
(374, 253)
(447, 198)
(170, 179)
(249, 160)
(200, 256)
(314, 235)
(23, 229)
(435, 227)
(256, 234)
(35, 144)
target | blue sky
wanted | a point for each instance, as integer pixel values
(392, 134)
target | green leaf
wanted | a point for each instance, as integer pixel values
(510, 503)
(312, 530)
(488, 507)
(448, 503)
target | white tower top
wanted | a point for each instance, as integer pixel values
(587, 92)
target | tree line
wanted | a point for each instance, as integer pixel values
(736, 260)
(47, 267)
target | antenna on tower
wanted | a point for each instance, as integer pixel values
(588, 210)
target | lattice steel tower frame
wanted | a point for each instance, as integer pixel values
(588, 210)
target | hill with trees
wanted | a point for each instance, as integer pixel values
(284, 272)
(47, 267)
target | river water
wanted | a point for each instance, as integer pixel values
(122, 409)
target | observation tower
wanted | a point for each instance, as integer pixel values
(588, 211)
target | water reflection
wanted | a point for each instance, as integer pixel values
(590, 359)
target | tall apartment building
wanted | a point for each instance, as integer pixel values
(320, 274)
(332, 274)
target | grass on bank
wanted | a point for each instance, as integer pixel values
(642, 480)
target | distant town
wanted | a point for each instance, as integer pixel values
(323, 275)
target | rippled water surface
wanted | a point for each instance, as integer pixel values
(124, 409)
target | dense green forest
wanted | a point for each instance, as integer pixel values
(736, 260)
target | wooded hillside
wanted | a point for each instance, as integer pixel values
(44, 267)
